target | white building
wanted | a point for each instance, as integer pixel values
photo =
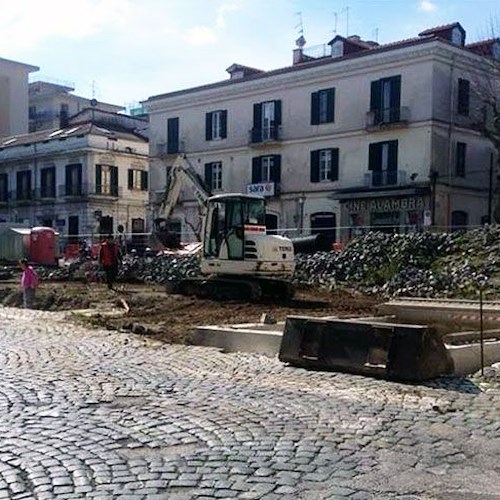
(87, 179)
(51, 105)
(366, 136)
(14, 97)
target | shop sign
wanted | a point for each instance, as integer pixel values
(261, 189)
(385, 204)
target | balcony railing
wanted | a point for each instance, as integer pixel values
(381, 178)
(266, 134)
(105, 190)
(387, 116)
(73, 190)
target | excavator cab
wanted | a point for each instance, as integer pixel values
(235, 240)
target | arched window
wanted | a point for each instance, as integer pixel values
(324, 223)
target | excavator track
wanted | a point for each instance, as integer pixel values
(252, 289)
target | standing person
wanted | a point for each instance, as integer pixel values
(29, 284)
(109, 258)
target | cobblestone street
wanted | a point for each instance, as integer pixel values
(98, 414)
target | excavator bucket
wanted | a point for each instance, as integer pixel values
(366, 347)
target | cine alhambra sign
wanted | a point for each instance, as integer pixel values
(385, 205)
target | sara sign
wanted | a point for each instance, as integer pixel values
(261, 189)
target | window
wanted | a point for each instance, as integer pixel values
(4, 188)
(32, 112)
(266, 121)
(266, 169)
(324, 223)
(463, 97)
(323, 106)
(325, 165)
(216, 125)
(213, 176)
(385, 100)
(461, 152)
(106, 180)
(173, 136)
(73, 184)
(23, 186)
(137, 179)
(64, 115)
(459, 220)
(383, 163)
(48, 182)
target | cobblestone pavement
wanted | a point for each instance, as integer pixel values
(97, 414)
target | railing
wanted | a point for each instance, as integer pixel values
(106, 190)
(165, 148)
(387, 116)
(266, 134)
(73, 190)
(379, 178)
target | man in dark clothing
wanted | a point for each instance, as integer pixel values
(109, 258)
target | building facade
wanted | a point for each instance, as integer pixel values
(14, 97)
(51, 105)
(84, 180)
(365, 137)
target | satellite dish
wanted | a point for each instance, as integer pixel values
(93, 102)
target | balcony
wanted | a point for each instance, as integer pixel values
(172, 148)
(73, 190)
(384, 118)
(106, 190)
(265, 135)
(385, 178)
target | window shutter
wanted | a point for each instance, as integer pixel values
(173, 135)
(463, 96)
(395, 98)
(79, 178)
(374, 158)
(144, 180)
(393, 156)
(208, 127)
(98, 179)
(256, 170)
(257, 123)
(315, 108)
(276, 170)
(335, 164)
(375, 96)
(130, 179)
(277, 113)
(67, 179)
(315, 166)
(114, 181)
(208, 176)
(330, 112)
(224, 124)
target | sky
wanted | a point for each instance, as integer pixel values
(125, 51)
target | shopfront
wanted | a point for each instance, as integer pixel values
(388, 214)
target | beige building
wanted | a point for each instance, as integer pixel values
(51, 105)
(14, 97)
(86, 179)
(361, 136)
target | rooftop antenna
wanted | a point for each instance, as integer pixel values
(375, 34)
(345, 11)
(301, 41)
(335, 22)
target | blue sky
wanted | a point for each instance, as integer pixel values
(124, 51)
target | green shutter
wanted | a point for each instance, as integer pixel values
(276, 169)
(335, 164)
(256, 170)
(315, 108)
(98, 179)
(208, 127)
(330, 111)
(315, 166)
(224, 124)
(144, 180)
(208, 176)
(130, 182)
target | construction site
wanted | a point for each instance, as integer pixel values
(446, 283)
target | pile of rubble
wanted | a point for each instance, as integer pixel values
(416, 265)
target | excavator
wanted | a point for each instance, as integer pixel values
(239, 260)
